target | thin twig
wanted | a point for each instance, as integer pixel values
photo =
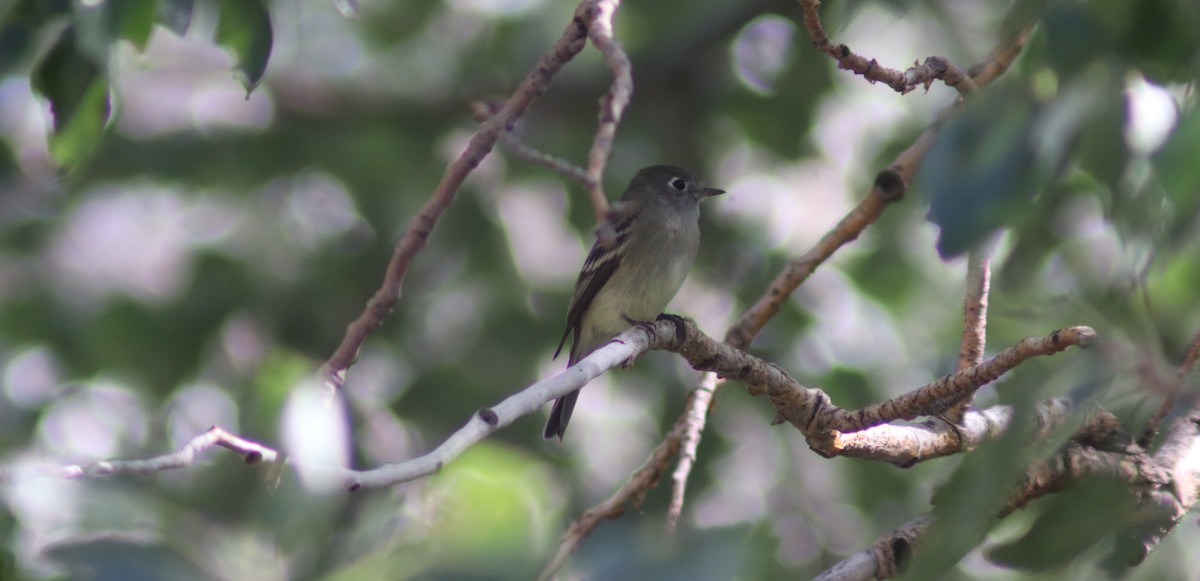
(975, 306)
(512, 145)
(1168, 402)
(565, 168)
(813, 413)
(1000, 59)
(889, 186)
(694, 417)
(951, 388)
(251, 453)
(612, 106)
(974, 334)
(934, 68)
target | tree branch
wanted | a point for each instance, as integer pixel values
(695, 416)
(1180, 457)
(975, 306)
(888, 556)
(251, 452)
(623, 349)
(974, 335)
(934, 68)
(421, 226)
(612, 106)
(889, 186)
(810, 410)
(509, 142)
(950, 388)
(1166, 486)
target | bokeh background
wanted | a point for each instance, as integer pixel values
(193, 265)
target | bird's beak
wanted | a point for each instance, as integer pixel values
(710, 192)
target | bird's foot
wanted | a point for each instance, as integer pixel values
(680, 325)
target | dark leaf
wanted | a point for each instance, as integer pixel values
(980, 169)
(966, 505)
(1070, 523)
(245, 29)
(79, 98)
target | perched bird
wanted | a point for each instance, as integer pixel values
(633, 279)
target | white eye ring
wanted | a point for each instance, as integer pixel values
(678, 184)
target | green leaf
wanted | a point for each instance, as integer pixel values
(245, 29)
(980, 169)
(79, 98)
(990, 161)
(133, 20)
(1069, 525)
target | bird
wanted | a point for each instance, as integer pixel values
(632, 279)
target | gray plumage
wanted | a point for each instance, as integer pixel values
(656, 243)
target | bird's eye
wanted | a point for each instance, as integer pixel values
(678, 184)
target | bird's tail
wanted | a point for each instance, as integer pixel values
(560, 414)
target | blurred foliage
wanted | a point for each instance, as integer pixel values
(197, 196)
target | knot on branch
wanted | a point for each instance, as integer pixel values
(890, 185)
(489, 417)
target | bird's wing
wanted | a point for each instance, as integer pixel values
(601, 263)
